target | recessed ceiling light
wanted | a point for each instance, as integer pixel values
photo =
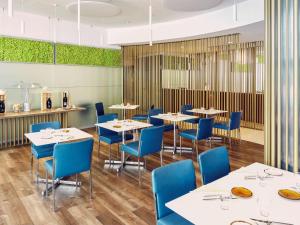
(94, 9)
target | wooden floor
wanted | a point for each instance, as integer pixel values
(117, 199)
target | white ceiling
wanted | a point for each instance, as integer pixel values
(119, 13)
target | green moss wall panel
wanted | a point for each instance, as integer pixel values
(81, 55)
(28, 51)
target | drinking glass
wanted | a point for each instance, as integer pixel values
(297, 181)
(224, 203)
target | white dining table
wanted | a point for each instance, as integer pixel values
(265, 199)
(123, 126)
(55, 136)
(52, 136)
(124, 107)
(207, 112)
(174, 118)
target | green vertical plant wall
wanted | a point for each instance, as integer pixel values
(29, 51)
(81, 55)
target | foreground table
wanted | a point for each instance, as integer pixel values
(175, 118)
(265, 197)
(51, 136)
(123, 126)
(124, 108)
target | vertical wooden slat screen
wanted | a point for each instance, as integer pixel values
(282, 33)
(217, 72)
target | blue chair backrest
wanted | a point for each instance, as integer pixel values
(205, 127)
(214, 164)
(155, 121)
(170, 182)
(99, 108)
(37, 127)
(103, 119)
(235, 120)
(184, 109)
(151, 140)
(72, 158)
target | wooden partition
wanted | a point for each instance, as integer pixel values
(214, 72)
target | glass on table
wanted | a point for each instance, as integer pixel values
(297, 181)
(261, 177)
(264, 203)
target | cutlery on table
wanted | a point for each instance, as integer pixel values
(270, 221)
(220, 198)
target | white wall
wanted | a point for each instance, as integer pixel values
(41, 28)
(213, 23)
(87, 85)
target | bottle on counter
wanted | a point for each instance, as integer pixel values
(65, 100)
(2, 106)
(49, 103)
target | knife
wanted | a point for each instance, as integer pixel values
(270, 222)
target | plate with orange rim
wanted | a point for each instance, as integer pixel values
(117, 126)
(241, 192)
(289, 194)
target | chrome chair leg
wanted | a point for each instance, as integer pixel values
(76, 183)
(46, 183)
(99, 149)
(53, 190)
(145, 163)
(210, 142)
(229, 137)
(139, 171)
(197, 153)
(31, 164)
(91, 184)
(37, 171)
(161, 158)
(240, 138)
(109, 155)
(180, 143)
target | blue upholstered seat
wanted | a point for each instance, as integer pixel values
(173, 219)
(150, 142)
(189, 134)
(141, 117)
(168, 183)
(43, 151)
(214, 164)
(203, 132)
(108, 136)
(184, 110)
(69, 159)
(233, 124)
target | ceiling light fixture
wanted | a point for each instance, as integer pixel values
(22, 23)
(235, 11)
(54, 22)
(10, 8)
(150, 22)
(78, 22)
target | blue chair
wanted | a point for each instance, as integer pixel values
(159, 122)
(214, 164)
(39, 152)
(141, 117)
(108, 136)
(150, 142)
(233, 124)
(203, 132)
(184, 110)
(70, 159)
(168, 183)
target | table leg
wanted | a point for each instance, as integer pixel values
(174, 138)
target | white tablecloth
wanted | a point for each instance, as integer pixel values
(50, 136)
(209, 212)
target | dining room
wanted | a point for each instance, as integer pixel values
(164, 112)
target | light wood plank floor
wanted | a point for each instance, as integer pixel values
(118, 199)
